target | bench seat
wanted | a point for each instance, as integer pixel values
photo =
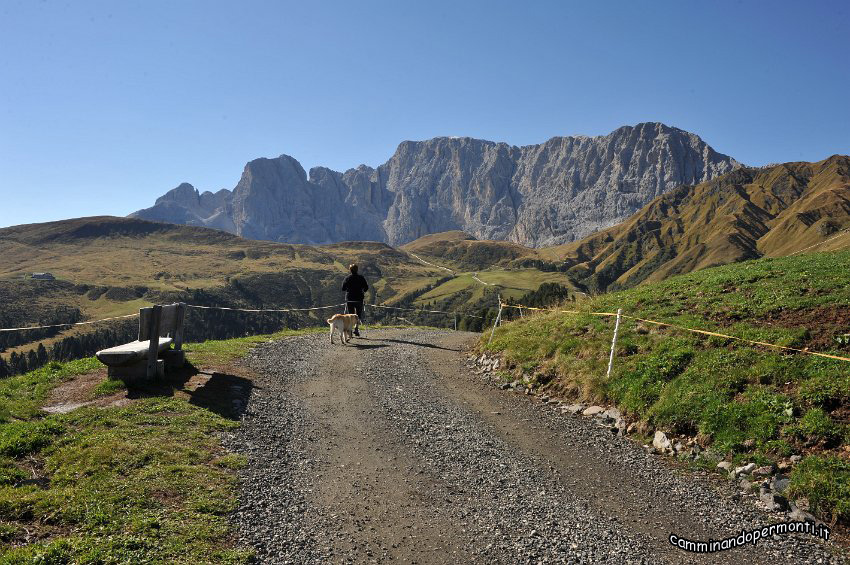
(144, 360)
(130, 353)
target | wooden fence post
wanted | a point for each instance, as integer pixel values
(497, 322)
(153, 348)
(178, 332)
(613, 344)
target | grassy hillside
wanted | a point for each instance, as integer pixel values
(740, 401)
(437, 240)
(112, 266)
(462, 252)
(109, 266)
(484, 270)
(143, 256)
(507, 283)
(136, 477)
(746, 214)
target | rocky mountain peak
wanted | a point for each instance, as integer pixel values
(544, 194)
(184, 193)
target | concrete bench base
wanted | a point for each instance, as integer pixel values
(136, 372)
(174, 359)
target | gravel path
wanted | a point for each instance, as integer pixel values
(391, 450)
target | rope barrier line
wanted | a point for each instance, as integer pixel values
(518, 306)
(67, 325)
(235, 310)
(684, 328)
(750, 341)
(264, 309)
(429, 311)
(522, 307)
(332, 306)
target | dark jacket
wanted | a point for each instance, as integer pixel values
(354, 287)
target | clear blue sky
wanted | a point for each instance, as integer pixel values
(106, 105)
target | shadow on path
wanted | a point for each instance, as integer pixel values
(369, 345)
(225, 394)
(418, 344)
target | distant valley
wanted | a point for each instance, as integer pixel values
(107, 266)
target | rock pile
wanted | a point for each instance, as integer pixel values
(769, 487)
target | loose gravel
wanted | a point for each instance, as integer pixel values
(391, 450)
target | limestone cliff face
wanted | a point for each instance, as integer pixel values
(577, 185)
(546, 194)
(451, 183)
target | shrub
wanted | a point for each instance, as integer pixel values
(815, 426)
(826, 390)
(10, 474)
(639, 386)
(825, 482)
(759, 416)
(685, 401)
(108, 387)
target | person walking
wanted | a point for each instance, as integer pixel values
(354, 288)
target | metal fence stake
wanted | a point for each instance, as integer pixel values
(613, 343)
(496, 323)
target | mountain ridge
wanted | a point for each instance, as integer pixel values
(749, 213)
(536, 195)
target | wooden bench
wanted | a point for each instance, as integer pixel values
(147, 358)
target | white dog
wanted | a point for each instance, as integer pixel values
(344, 324)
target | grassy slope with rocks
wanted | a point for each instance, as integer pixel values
(745, 402)
(461, 251)
(147, 481)
(509, 284)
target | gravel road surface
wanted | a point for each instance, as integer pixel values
(390, 449)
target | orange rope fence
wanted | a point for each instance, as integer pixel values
(683, 328)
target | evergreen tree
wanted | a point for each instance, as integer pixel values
(42, 354)
(32, 360)
(19, 364)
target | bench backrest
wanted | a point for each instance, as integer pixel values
(170, 323)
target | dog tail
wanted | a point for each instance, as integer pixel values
(328, 320)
